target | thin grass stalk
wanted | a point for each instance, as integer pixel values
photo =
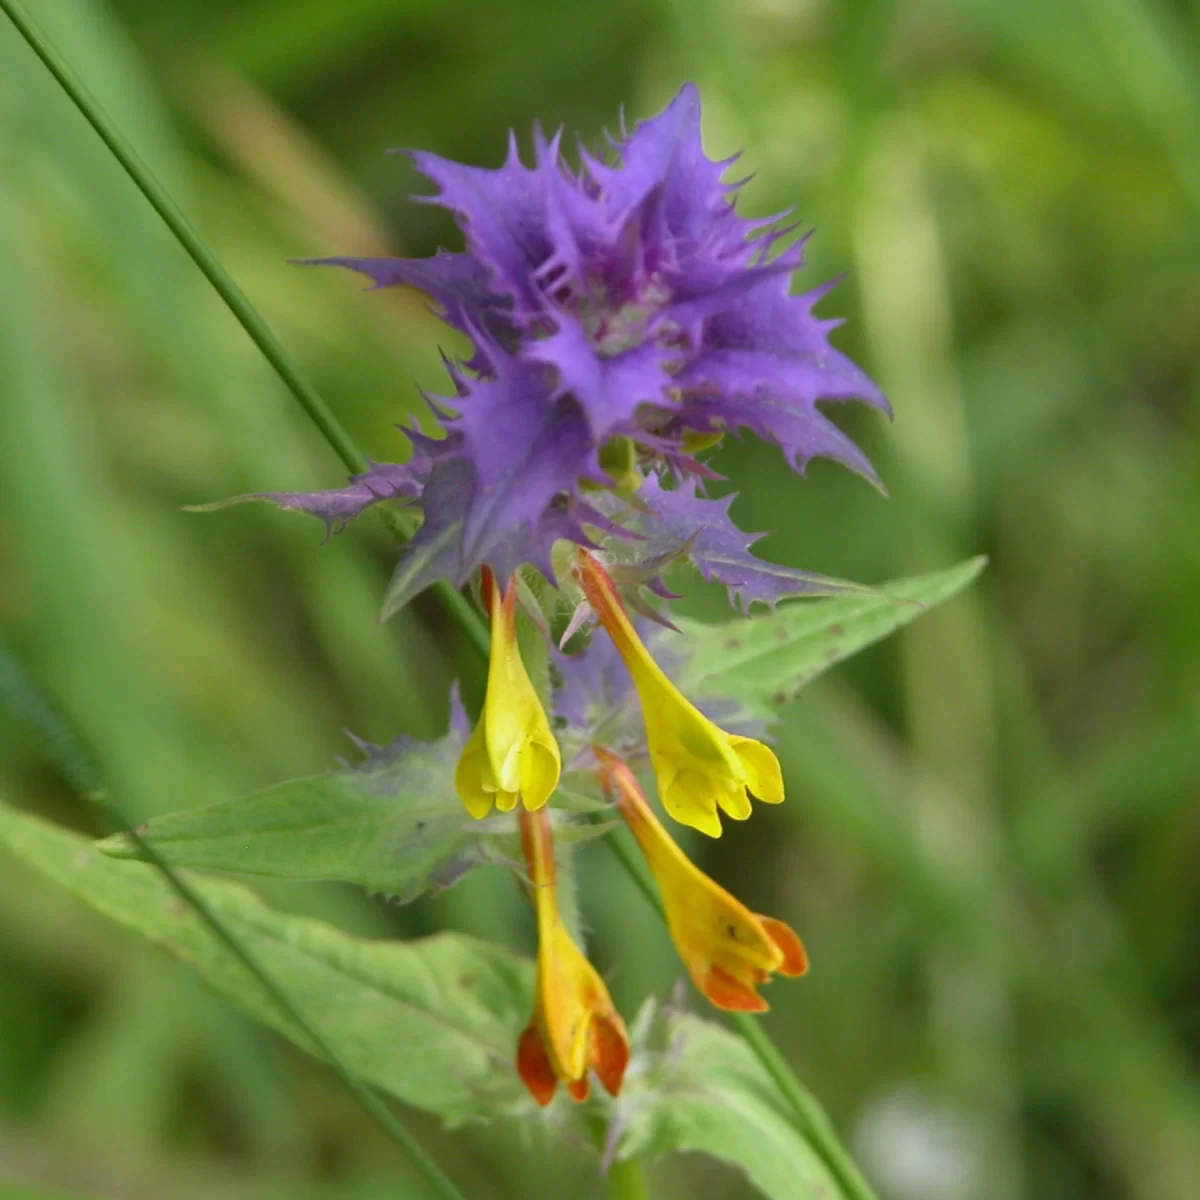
(238, 302)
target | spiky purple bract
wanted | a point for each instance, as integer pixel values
(337, 507)
(627, 300)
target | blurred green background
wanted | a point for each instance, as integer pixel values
(992, 841)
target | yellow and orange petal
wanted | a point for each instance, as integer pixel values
(575, 1027)
(727, 949)
(701, 770)
(512, 754)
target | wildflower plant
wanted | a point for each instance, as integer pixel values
(623, 319)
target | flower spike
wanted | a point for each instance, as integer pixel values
(728, 950)
(623, 318)
(699, 767)
(575, 1026)
(512, 755)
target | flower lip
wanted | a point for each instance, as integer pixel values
(512, 754)
(700, 768)
(728, 950)
(575, 1027)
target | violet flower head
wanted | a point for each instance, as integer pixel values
(624, 317)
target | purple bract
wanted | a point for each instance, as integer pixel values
(621, 313)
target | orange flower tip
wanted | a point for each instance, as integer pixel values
(610, 1055)
(579, 1089)
(534, 1067)
(487, 582)
(795, 958)
(732, 994)
(610, 764)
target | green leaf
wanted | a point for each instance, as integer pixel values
(435, 1022)
(392, 824)
(763, 661)
(708, 1092)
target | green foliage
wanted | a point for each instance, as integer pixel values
(434, 1022)
(392, 824)
(764, 660)
(411, 573)
(707, 1092)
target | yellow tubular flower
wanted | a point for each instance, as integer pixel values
(727, 949)
(699, 767)
(574, 1025)
(512, 754)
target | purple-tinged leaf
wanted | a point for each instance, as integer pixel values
(458, 283)
(435, 551)
(721, 551)
(525, 446)
(338, 506)
(666, 153)
(626, 299)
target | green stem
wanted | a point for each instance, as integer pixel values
(239, 304)
(627, 1181)
(814, 1120)
(331, 429)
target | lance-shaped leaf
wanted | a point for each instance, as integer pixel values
(708, 1092)
(721, 551)
(434, 1021)
(391, 824)
(763, 661)
(526, 445)
(338, 506)
(665, 154)
(458, 283)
